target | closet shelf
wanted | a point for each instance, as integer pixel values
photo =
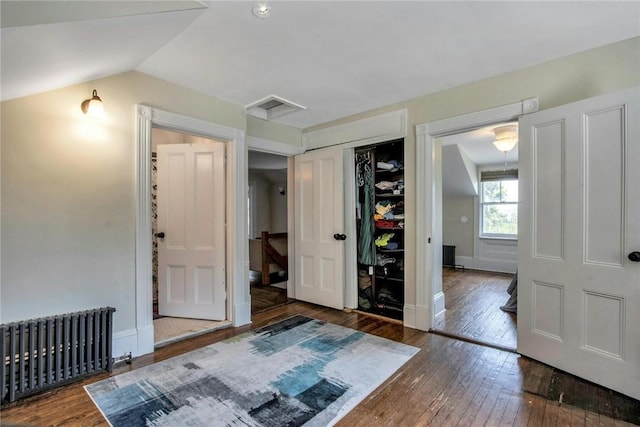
(380, 194)
(386, 195)
(391, 279)
(400, 170)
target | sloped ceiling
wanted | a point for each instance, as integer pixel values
(458, 179)
(335, 58)
(464, 153)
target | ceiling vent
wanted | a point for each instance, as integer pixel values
(271, 107)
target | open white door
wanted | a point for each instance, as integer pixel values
(191, 218)
(319, 224)
(579, 289)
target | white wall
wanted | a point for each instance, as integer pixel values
(271, 206)
(471, 251)
(496, 255)
(262, 201)
(455, 231)
(278, 207)
(582, 75)
(68, 194)
(68, 184)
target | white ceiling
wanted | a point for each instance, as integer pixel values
(272, 167)
(478, 146)
(335, 58)
(266, 161)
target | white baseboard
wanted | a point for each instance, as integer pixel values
(125, 343)
(242, 314)
(133, 341)
(423, 317)
(465, 261)
(487, 264)
(409, 316)
(438, 304)
(499, 265)
(146, 340)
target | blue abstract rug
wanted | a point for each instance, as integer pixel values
(299, 371)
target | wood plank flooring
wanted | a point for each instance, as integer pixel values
(264, 297)
(472, 302)
(448, 383)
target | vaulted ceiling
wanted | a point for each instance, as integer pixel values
(335, 58)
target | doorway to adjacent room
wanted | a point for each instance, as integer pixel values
(188, 232)
(267, 212)
(479, 211)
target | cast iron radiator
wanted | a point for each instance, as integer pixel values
(39, 354)
(448, 256)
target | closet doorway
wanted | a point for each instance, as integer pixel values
(479, 191)
(188, 235)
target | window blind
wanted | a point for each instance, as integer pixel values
(499, 175)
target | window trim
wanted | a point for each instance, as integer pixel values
(508, 175)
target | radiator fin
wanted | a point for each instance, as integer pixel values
(39, 354)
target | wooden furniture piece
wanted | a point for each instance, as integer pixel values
(268, 254)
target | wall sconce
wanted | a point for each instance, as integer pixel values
(93, 107)
(506, 137)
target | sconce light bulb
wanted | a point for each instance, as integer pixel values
(93, 107)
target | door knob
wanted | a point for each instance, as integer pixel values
(634, 256)
(340, 236)
(160, 235)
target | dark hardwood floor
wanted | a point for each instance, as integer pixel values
(264, 297)
(472, 302)
(448, 383)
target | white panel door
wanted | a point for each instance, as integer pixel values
(319, 215)
(191, 216)
(579, 288)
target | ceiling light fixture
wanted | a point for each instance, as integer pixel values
(93, 107)
(506, 137)
(261, 10)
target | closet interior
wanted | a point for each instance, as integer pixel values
(380, 228)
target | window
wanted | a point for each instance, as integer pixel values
(499, 204)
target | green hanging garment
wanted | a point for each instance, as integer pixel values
(366, 247)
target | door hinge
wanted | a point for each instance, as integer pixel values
(428, 239)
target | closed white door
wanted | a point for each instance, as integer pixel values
(579, 287)
(191, 228)
(319, 224)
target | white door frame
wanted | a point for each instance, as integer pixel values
(238, 302)
(287, 150)
(429, 296)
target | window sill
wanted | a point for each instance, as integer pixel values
(509, 239)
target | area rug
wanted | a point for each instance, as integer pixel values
(299, 371)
